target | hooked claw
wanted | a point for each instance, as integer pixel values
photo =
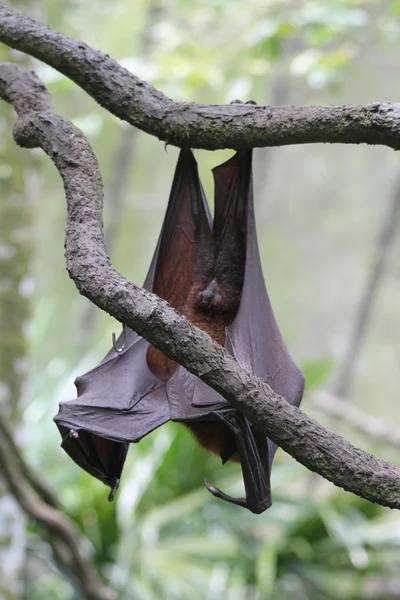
(115, 486)
(219, 494)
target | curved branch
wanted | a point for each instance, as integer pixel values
(196, 125)
(31, 474)
(306, 440)
(62, 531)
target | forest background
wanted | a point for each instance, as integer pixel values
(328, 227)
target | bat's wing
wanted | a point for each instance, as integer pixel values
(253, 338)
(186, 239)
(252, 447)
(185, 264)
(118, 402)
(121, 400)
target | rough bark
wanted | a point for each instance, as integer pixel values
(39, 502)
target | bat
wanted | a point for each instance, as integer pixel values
(209, 271)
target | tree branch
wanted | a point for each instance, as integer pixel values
(324, 452)
(362, 318)
(196, 125)
(63, 535)
(374, 428)
(32, 475)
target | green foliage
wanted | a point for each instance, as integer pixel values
(316, 372)
(394, 8)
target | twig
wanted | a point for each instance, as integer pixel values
(306, 440)
(377, 429)
(197, 125)
(363, 316)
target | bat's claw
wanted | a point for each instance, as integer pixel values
(240, 102)
(257, 507)
(219, 494)
(114, 487)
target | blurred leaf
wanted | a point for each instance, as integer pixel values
(266, 571)
(394, 8)
(317, 372)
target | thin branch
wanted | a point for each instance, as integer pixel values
(367, 301)
(35, 479)
(306, 440)
(197, 125)
(376, 429)
(63, 535)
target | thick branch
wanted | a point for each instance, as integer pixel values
(324, 452)
(196, 125)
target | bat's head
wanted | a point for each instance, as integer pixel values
(218, 302)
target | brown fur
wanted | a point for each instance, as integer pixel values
(213, 436)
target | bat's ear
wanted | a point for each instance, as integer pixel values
(100, 457)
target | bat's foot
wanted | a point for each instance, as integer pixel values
(256, 507)
(240, 102)
(219, 494)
